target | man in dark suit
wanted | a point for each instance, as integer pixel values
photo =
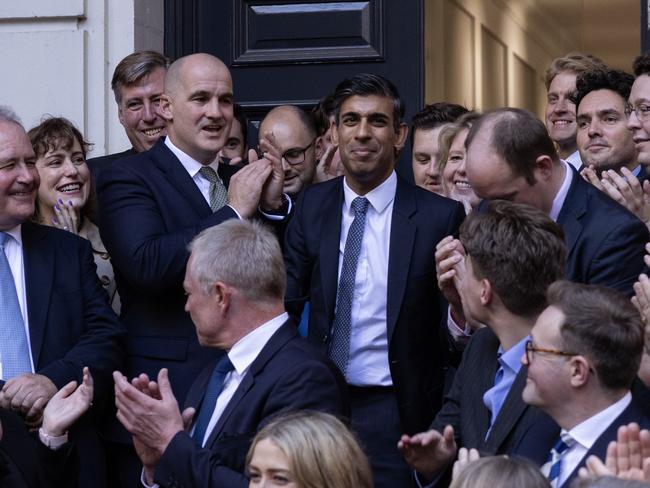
(502, 282)
(153, 204)
(511, 157)
(138, 83)
(360, 249)
(268, 368)
(583, 356)
(54, 314)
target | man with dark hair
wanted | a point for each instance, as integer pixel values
(603, 139)
(236, 147)
(583, 355)
(138, 83)
(359, 248)
(328, 158)
(292, 132)
(560, 80)
(513, 253)
(511, 157)
(425, 128)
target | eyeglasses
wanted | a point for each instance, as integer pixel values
(530, 350)
(297, 155)
(642, 111)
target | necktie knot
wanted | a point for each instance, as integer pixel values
(209, 174)
(564, 442)
(360, 206)
(224, 366)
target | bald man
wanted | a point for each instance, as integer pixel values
(154, 203)
(293, 133)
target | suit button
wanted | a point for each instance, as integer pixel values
(325, 337)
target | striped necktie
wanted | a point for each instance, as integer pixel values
(553, 466)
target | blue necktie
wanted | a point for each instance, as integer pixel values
(553, 466)
(493, 398)
(223, 367)
(340, 345)
(13, 338)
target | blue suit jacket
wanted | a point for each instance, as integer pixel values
(605, 241)
(416, 342)
(288, 374)
(150, 210)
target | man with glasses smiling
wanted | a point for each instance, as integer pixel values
(584, 353)
(292, 132)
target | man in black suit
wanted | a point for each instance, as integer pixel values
(153, 204)
(54, 314)
(138, 84)
(503, 282)
(360, 249)
(268, 368)
(584, 353)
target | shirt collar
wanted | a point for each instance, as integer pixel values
(512, 357)
(574, 159)
(379, 197)
(588, 432)
(558, 201)
(191, 165)
(246, 349)
(16, 233)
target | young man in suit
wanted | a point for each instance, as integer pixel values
(154, 203)
(360, 249)
(584, 353)
(267, 369)
(514, 252)
(54, 314)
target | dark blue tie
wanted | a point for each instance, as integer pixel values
(14, 350)
(223, 367)
(340, 345)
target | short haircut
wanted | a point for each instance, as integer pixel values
(240, 116)
(607, 482)
(134, 67)
(449, 133)
(434, 115)
(243, 254)
(641, 64)
(518, 137)
(602, 325)
(501, 472)
(56, 132)
(367, 84)
(322, 452)
(612, 79)
(9, 116)
(304, 119)
(573, 62)
(519, 250)
(321, 113)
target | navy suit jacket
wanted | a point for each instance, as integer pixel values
(416, 342)
(150, 210)
(98, 164)
(288, 374)
(605, 241)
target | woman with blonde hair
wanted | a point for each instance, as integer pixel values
(499, 472)
(307, 449)
(451, 162)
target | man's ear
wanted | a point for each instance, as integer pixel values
(402, 132)
(166, 107)
(335, 134)
(120, 114)
(580, 371)
(319, 147)
(486, 292)
(544, 167)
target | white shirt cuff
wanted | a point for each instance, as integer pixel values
(235, 210)
(459, 336)
(143, 480)
(278, 217)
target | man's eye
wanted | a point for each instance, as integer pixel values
(644, 109)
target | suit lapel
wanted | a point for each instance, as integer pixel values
(574, 207)
(402, 237)
(329, 247)
(284, 334)
(39, 273)
(178, 177)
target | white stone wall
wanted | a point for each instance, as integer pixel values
(58, 58)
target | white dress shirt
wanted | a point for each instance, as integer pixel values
(241, 355)
(368, 360)
(14, 252)
(574, 160)
(587, 433)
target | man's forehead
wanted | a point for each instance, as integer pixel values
(367, 105)
(600, 100)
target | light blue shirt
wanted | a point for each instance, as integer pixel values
(509, 366)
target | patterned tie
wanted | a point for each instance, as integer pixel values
(340, 345)
(553, 466)
(218, 192)
(223, 367)
(14, 350)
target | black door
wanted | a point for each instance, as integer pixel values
(296, 51)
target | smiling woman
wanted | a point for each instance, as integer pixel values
(65, 196)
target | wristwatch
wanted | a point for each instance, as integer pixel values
(52, 441)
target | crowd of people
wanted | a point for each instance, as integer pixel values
(202, 310)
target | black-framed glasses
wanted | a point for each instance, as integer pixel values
(642, 111)
(531, 350)
(296, 155)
